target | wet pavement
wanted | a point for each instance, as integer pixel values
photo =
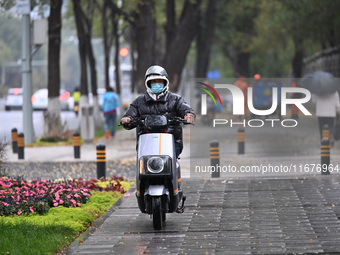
(238, 213)
(237, 216)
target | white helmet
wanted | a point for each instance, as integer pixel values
(153, 73)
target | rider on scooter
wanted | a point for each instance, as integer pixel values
(159, 100)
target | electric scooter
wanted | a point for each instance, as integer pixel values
(158, 173)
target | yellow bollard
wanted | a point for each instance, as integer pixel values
(241, 140)
(325, 155)
(101, 161)
(21, 146)
(76, 145)
(15, 140)
(215, 158)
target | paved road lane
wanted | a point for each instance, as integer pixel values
(14, 119)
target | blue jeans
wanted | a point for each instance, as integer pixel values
(110, 119)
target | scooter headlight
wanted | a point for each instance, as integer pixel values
(155, 165)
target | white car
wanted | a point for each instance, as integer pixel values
(14, 99)
(40, 99)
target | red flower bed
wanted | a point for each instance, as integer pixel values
(94, 184)
(19, 196)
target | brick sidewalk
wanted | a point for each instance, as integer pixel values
(234, 216)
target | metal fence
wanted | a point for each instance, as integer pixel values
(327, 60)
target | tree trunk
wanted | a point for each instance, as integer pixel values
(130, 37)
(297, 63)
(116, 58)
(84, 28)
(145, 27)
(179, 48)
(133, 72)
(95, 104)
(107, 42)
(86, 131)
(205, 37)
(241, 65)
(170, 26)
(82, 48)
(53, 126)
(92, 62)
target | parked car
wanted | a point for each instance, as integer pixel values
(40, 99)
(14, 99)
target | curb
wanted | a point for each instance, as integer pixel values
(96, 224)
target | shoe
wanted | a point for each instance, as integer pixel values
(107, 134)
(112, 137)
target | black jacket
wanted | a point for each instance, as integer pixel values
(170, 104)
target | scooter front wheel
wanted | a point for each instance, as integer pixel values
(157, 213)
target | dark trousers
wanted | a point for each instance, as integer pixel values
(178, 149)
(326, 121)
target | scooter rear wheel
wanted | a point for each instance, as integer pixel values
(157, 213)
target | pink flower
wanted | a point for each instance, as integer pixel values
(55, 204)
(61, 201)
(76, 195)
(5, 204)
(73, 202)
(79, 204)
(86, 194)
(31, 209)
(19, 212)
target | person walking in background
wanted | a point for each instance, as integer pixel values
(109, 107)
(327, 106)
(76, 98)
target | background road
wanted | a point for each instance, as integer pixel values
(14, 119)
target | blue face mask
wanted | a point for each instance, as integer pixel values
(157, 87)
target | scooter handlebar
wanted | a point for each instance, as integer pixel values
(178, 120)
(134, 122)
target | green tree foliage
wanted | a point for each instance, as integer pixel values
(236, 32)
(276, 34)
(10, 39)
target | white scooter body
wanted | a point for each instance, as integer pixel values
(156, 144)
